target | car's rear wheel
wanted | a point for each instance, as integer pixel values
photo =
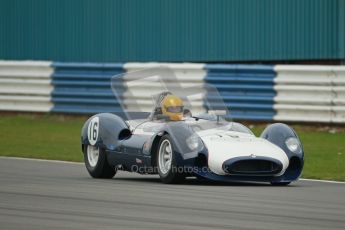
(96, 162)
(166, 162)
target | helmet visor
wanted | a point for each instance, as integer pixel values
(175, 109)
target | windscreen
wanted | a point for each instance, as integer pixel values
(140, 92)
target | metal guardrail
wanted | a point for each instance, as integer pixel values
(310, 93)
(25, 86)
(251, 92)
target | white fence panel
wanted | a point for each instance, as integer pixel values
(25, 86)
(310, 93)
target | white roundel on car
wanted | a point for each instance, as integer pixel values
(92, 130)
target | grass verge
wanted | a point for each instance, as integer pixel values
(57, 137)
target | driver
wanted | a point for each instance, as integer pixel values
(172, 107)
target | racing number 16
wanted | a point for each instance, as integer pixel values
(93, 130)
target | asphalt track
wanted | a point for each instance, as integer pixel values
(53, 195)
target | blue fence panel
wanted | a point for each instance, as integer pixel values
(247, 90)
(84, 88)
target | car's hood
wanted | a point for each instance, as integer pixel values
(224, 145)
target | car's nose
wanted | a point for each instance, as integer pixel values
(252, 165)
(221, 149)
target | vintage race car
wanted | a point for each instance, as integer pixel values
(205, 146)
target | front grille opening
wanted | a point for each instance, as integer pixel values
(253, 167)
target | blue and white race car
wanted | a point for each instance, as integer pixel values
(175, 143)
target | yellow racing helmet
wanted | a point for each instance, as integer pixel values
(172, 106)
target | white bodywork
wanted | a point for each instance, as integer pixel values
(224, 145)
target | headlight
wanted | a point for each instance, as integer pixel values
(293, 145)
(193, 142)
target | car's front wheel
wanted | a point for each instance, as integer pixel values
(96, 162)
(166, 162)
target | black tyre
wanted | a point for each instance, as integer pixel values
(96, 163)
(166, 162)
(280, 183)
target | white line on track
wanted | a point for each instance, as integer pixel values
(80, 163)
(324, 181)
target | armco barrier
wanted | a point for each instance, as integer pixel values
(247, 90)
(251, 92)
(84, 88)
(310, 93)
(25, 86)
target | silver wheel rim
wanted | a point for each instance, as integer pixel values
(92, 155)
(165, 157)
